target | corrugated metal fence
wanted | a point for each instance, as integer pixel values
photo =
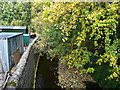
(8, 46)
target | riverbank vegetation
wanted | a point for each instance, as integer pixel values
(83, 35)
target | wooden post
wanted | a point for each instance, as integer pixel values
(2, 66)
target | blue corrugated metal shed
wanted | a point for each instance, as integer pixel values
(9, 43)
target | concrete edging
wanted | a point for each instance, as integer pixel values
(18, 70)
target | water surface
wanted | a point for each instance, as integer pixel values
(47, 76)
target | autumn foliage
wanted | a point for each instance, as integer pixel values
(85, 36)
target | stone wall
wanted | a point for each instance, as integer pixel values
(23, 73)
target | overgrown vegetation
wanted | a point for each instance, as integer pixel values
(84, 35)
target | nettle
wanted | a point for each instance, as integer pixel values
(84, 34)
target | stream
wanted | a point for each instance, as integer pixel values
(47, 76)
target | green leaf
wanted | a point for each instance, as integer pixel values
(90, 70)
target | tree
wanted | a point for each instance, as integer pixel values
(84, 35)
(37, 23)
(16, 13)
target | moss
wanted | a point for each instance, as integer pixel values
(12, 83)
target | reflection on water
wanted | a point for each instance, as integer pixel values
(47, 76)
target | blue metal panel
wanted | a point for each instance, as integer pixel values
(21, 44)
(3, 54)
(10, 51)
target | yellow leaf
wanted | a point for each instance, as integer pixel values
(111, 76)
(115, 75)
